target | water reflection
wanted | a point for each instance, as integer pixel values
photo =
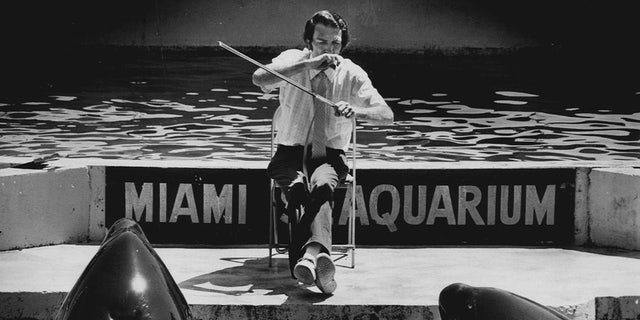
(145, 114)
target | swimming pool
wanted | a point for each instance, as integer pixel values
(205, 107)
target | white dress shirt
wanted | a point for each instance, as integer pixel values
(349, 83)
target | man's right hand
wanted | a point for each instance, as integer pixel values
(324, 61)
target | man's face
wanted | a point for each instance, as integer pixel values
(326, 40)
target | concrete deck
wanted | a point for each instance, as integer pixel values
(399, 277)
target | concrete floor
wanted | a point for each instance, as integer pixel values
(385, 276)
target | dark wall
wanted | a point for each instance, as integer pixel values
(582, 37)
(411, 24)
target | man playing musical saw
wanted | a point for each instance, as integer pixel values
(312, 137)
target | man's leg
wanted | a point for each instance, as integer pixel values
(323, 181)
(318, 246)
(285, 169)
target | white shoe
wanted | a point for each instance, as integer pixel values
(325, 272)
(305, 271)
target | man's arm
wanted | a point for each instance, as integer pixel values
(263, 78)
(369, 104)
(379, 114)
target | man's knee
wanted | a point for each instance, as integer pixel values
(325, 175)
(283, 178)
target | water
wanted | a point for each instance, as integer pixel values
(207, 108)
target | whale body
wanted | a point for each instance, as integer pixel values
(459, 301)
(126, 279)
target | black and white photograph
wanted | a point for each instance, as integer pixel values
(360, 159)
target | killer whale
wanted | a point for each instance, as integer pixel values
(125, 279)
(459, 301)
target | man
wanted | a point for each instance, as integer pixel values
(312, 137)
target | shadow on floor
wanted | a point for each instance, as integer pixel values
(255, 274)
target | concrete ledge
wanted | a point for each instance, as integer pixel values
(64, 203)
(30, 305)
(581, 207)
(44, 305)
(299, 311)
(39, 207)
(391, 283)
(97, 224)
(614, 207)
(617, 308)
(361, 163)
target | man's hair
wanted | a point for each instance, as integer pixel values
(327, 18)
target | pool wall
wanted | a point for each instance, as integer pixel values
(386, 24)
(413, 24)
(53, 45)
(40, 207)
(614, 207)
(67, 204)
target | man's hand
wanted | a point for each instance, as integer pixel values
(324, 61)
(345, 109)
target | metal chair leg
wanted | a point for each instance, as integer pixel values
(272, 225)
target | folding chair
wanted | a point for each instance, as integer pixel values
(348, 248)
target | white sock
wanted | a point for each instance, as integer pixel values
(308, 256)
(313, 249)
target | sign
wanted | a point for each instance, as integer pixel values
(191, 206)
(393, 206)
(417, 207)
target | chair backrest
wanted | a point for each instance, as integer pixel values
(276, 114)
(353, 152)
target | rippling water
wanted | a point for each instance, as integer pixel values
(207, 108)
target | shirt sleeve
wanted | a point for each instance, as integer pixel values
(285, 57)
(366, 94)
